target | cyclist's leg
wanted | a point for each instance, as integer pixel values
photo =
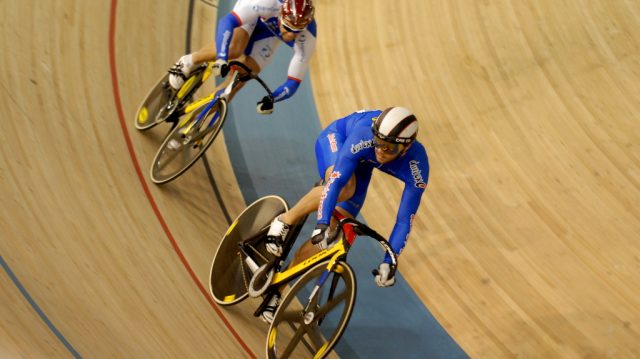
(239, 41)
(308, 249)
(351, 196)
(349, 207)
(260, 47)
(186, 63)
(353, 203)
(309, 202)
(252, 64)
(305, 251)
(327, 147)
(258, 51)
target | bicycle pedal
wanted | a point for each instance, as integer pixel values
(174, 145)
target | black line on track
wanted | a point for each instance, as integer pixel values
(205, 160)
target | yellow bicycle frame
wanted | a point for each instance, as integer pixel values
(197, 104)
(194, 105)
(336, 251)
(190, 81)
(202, 101)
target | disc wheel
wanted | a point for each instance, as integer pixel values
(230, 275)
(162, 101)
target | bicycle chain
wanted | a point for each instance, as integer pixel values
(244, 277)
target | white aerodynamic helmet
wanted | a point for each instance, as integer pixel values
(396, 125)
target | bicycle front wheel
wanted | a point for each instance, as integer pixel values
(188, 141)
(312, 326)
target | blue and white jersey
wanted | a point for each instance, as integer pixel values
(357, 151)
(254, 16)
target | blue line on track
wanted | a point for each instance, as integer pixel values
(35, 307)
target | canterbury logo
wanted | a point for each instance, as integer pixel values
(355, 148)
(417, 174)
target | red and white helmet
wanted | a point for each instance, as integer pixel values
(297, 14)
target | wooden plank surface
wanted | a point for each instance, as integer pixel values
(527, 241)
(76, 221)
(525, 245)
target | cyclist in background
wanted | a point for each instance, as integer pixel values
(347, 151)
(253, 28)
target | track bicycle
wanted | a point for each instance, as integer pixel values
(196, 123)
(316, 309)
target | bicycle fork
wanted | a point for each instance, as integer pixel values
(314, 298)
(223, 93)
(197, 124)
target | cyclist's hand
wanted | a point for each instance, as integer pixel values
(384, 277)
(265, 106)
(321, 236)
(220, 68)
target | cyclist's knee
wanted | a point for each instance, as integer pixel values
(235, 51)
(348, 190)
(306, 250)
(239, 42)
(252, 64)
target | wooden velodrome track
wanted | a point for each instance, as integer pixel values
(527, 241)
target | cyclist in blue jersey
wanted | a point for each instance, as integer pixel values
(254, 29)
(347, 151)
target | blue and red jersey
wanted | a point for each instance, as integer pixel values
(347, 144)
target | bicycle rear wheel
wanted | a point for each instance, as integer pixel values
(230, 275)
(162, 101)
(184, 145)
(297, 332)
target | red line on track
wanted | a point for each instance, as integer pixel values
(136, 165)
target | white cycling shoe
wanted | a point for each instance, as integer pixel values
(174, 144)
(180, 71)
(276, 235)
(270, 310)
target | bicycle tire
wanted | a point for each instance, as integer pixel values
(289, 335)
(165, 156)
(161, 101)
(230, 275)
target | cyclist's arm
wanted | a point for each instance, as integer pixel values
(244, 12)
(303, 50)
(223, 35)
(415, 175)
(342, 171)
(408, 207)
(287, 89)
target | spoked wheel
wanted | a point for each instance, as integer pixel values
(230, 273)
(163, 101)
(311, 327)
(188, 141)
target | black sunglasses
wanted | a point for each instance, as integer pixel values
(388, 148)
(289, 28)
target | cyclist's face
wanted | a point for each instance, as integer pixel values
(386, 151)
(287, 31)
